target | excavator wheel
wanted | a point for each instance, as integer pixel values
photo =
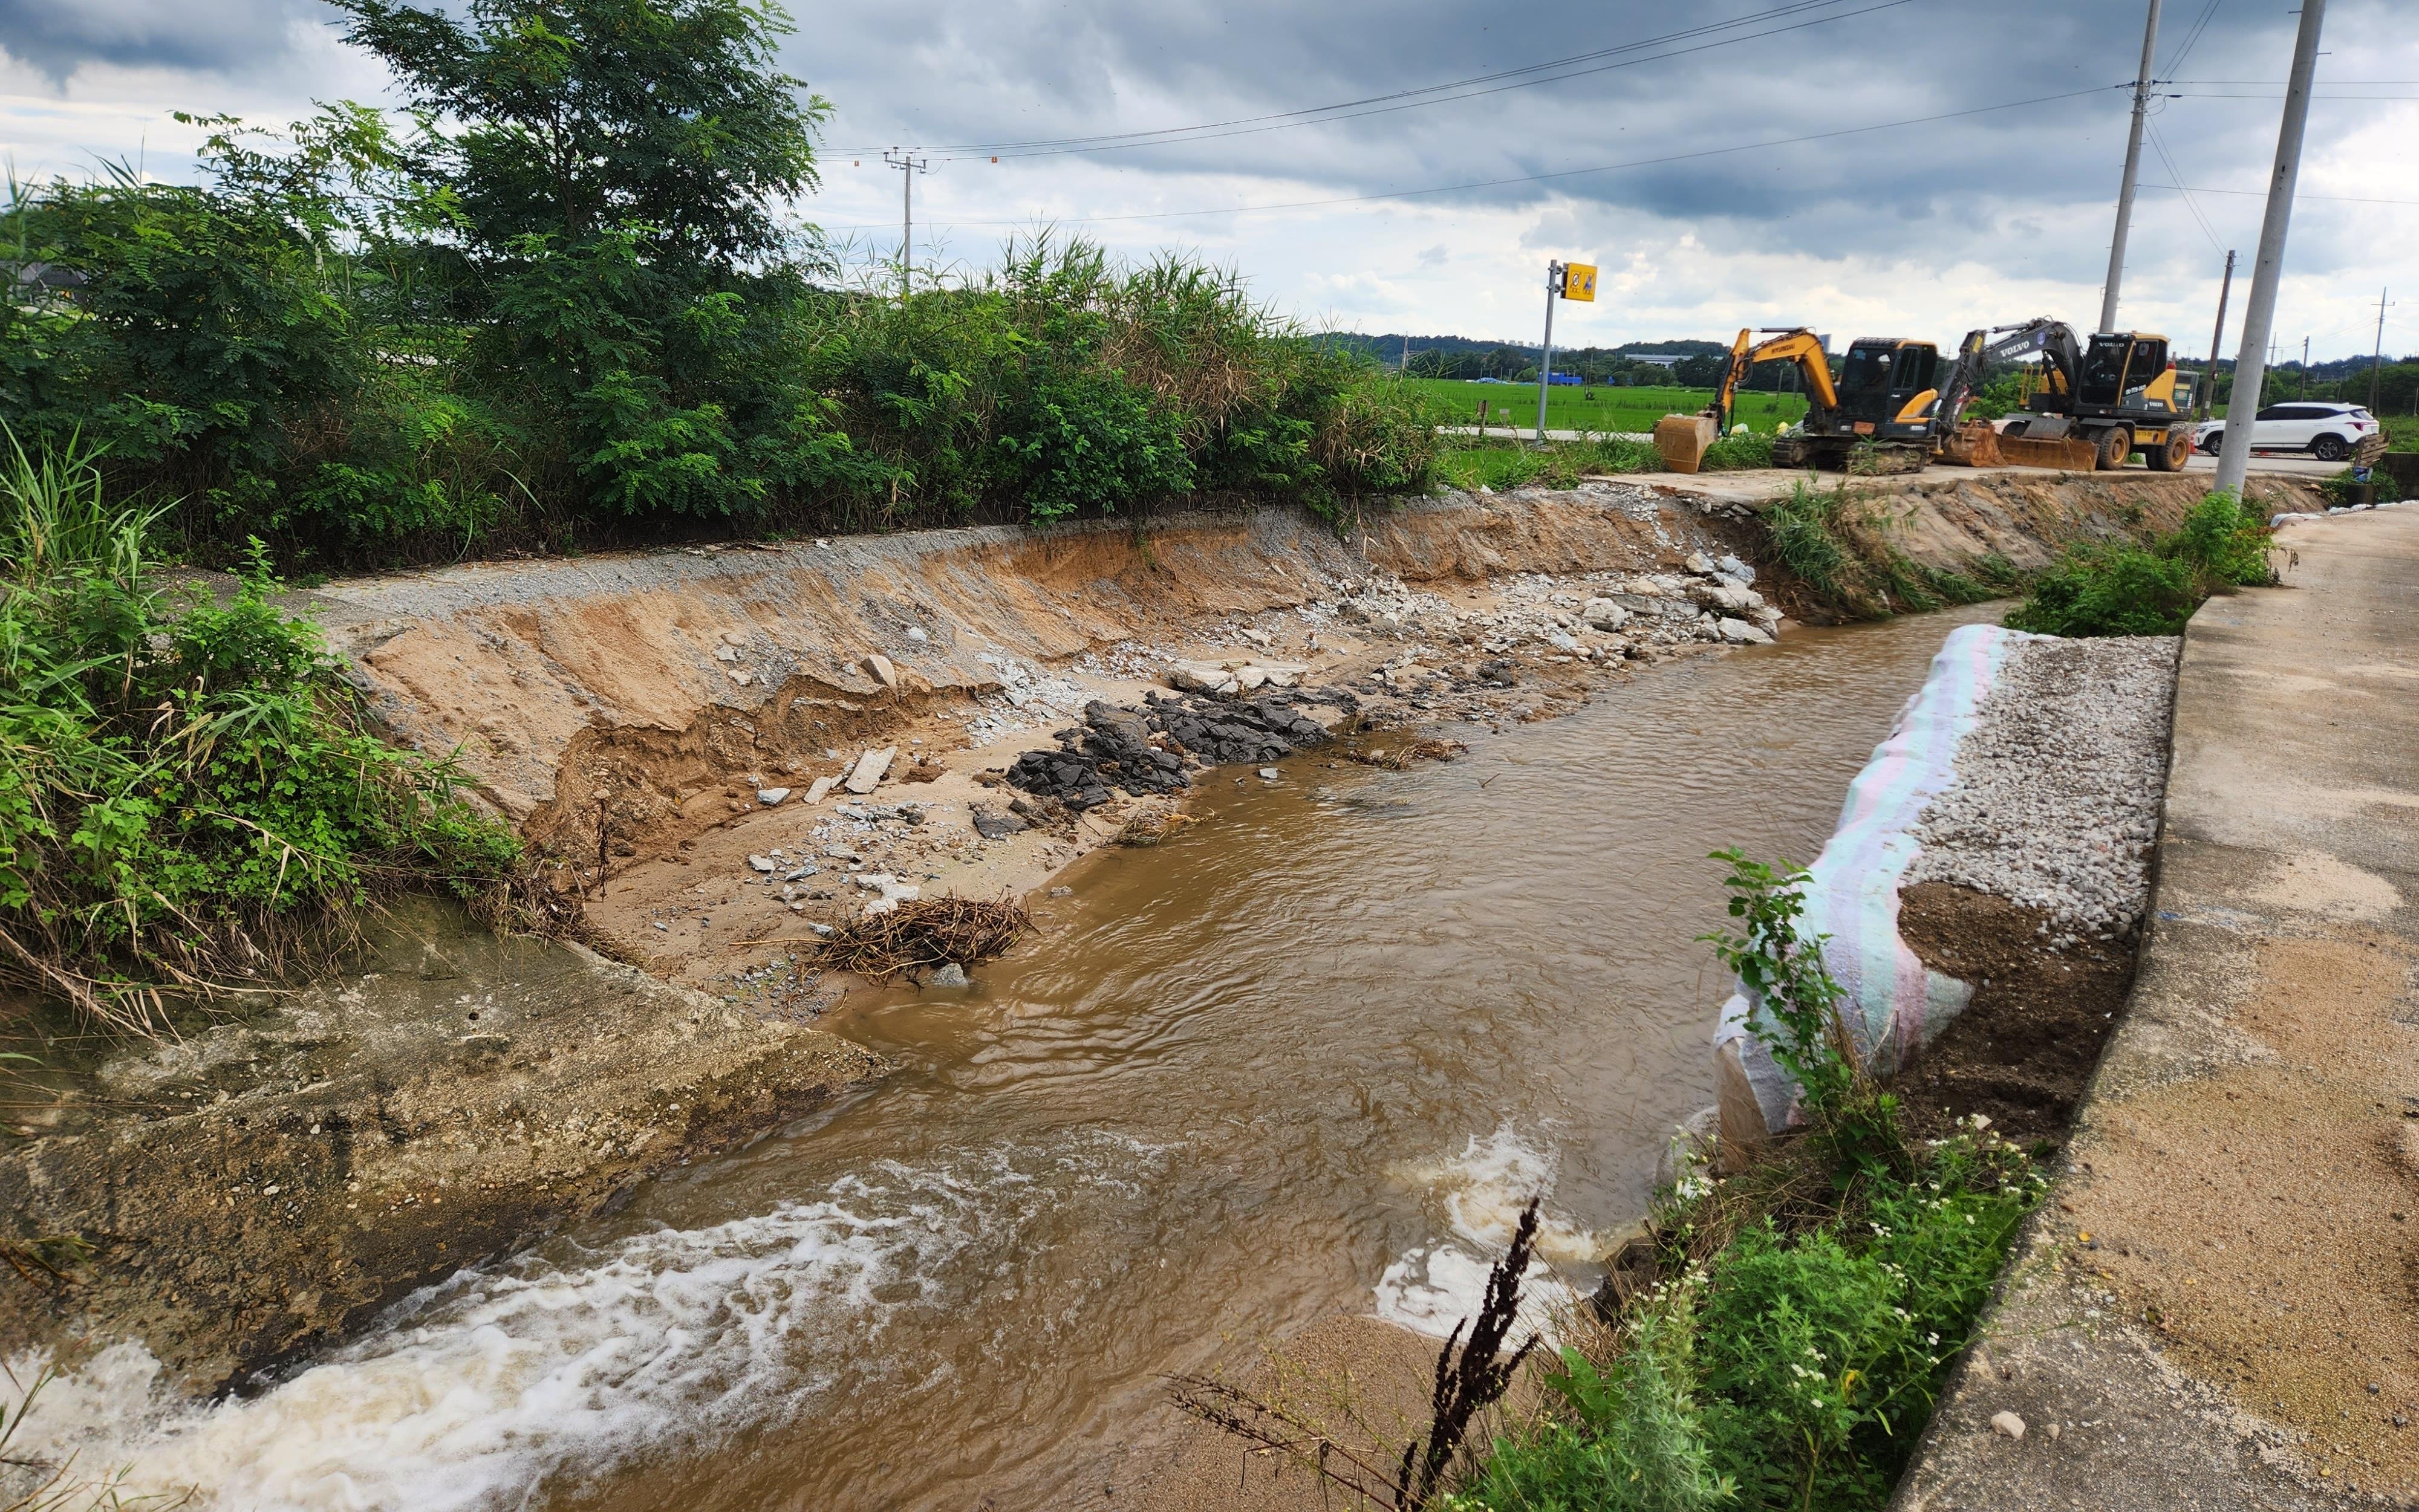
(2115, 445)
(2172, 456)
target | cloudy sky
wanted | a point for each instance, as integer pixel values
(1862, 166)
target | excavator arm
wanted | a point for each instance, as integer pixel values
(1799, 345)
(2053, 340)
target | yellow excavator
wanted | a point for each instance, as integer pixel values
(2099, 403)
(1883, 404)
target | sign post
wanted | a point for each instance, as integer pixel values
(1563, 281)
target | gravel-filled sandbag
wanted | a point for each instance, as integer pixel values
(2028, 768)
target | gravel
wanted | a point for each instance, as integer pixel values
(2056, 805)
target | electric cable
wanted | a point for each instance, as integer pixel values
(1388, 104)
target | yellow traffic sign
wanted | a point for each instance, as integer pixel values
(1578, 282)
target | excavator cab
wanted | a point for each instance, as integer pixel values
(2127, 373)
(1887, 388)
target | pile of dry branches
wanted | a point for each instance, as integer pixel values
(924, 935)
(1399, 757)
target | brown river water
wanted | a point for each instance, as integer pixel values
(1307, 1057)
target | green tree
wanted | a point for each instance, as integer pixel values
(576, 120)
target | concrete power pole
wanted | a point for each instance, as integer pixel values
(910, 165)
(2132, 170)
(2216, 340)
(2377, 358)
(2267, 270)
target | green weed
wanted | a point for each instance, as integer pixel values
(187, 794)
(2153, 588)
(1811, 1303)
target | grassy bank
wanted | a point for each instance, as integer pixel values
(1850, 564)
(1510, 463)
(1798, 1317)
(188, 795)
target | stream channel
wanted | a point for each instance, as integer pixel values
(1307, 1057)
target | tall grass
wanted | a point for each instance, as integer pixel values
(187, 796)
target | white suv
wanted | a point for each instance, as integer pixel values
(2326, 431)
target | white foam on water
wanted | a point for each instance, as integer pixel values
(473, 1393)
(1483, 1188)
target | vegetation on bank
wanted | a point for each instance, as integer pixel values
(188, 795)
(1809, 1306)
(563, 306)
(1853, 565)
(2152, 586)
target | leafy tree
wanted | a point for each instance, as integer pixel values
(577, 119)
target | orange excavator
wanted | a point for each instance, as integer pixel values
(1884, 404)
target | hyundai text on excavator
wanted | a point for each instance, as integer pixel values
(1884, 402)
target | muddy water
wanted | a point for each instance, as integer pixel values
(1307, 1057)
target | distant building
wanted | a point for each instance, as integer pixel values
(1661, 360)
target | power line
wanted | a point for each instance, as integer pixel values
(2192, 34)
(1564, 172)
(2331, 199)
(2158, 143)
(1447, 93)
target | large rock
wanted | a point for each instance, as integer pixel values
(1603, 614)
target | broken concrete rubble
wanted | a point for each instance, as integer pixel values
(868, 773)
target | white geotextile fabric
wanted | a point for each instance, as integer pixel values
(1894, 1003)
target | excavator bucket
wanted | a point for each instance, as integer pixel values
(1682, 440)
(1974, 444)
(2069, 453)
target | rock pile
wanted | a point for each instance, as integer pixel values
(1112, 747)
(1144, 750)
(1600, 614)
(1224, 733)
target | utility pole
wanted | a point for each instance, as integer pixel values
(1403, 368)
(1545, 359)
(2305, 367)
(2216, 339)
(910, 165)
(2377, 358)
(2133, 169)
(2267, 269)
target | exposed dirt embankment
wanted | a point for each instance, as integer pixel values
(652, 680)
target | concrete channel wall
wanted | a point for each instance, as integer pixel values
(2216, 1307)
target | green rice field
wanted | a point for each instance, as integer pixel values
(1454, 401)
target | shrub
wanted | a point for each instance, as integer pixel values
(2150, 589)
(186, 791)
(1738, 451)
(572, 306)
(2339, 486)
(1628, 1438)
